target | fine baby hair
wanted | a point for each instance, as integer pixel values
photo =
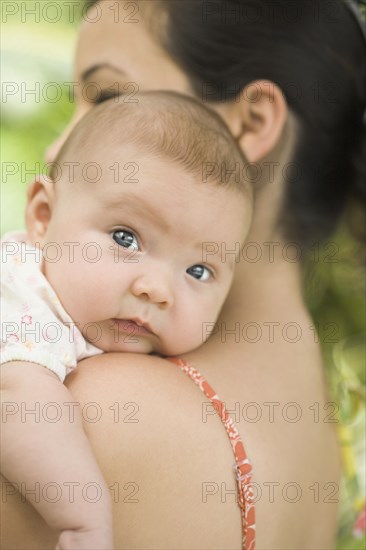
(171, 126)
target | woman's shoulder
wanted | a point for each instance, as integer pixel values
(154, 446)
(170, 442)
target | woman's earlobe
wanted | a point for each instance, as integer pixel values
(263, 113)
(38, 212)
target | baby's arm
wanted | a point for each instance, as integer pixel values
(37, 452)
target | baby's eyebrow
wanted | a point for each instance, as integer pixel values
(128, 205)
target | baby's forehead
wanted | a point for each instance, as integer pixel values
(112, 170)
(167, 124)
(166, 194)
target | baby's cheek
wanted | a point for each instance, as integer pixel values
(205, 320)
(57, 275)
(69, 279)
(89, 282)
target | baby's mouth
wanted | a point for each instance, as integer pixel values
(132, 326)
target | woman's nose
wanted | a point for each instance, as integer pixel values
(53, 150)
(156, 290)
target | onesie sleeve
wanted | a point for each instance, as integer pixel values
(32, 325)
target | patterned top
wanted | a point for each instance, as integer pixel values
(242, 467)
(35, 327)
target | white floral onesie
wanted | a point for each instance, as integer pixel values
(34, 325)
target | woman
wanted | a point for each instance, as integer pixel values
(288, 78)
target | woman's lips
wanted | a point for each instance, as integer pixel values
(131, 327)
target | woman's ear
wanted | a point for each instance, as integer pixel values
(38, 212)
(257, 118)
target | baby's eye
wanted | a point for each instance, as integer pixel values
(125, 238)
(200, 272)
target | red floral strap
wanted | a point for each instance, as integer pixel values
(242, 467)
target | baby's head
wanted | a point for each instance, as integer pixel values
(149, 209)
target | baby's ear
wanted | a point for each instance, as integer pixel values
(38, 212)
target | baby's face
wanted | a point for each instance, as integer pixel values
(146, 254)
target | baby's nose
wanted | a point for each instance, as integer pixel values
(155, 290)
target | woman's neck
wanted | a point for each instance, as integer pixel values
(267, 270)
(270, 266)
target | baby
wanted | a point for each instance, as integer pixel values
(131, 245)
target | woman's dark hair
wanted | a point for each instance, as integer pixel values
(316, 53)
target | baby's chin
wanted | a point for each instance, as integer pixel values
(126, 344)
(173, 343)
(140, 344)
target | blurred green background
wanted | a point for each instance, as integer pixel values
(34, 52)
(38, 50)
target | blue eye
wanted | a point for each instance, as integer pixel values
(126, 239)
(199, 272)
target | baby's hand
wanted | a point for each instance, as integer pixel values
(92, 539)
